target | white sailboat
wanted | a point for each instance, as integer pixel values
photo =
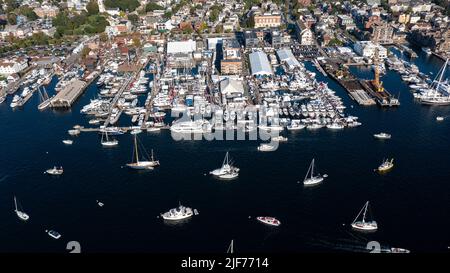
(22, 215)
(139, 164)
(231, 248)
(310, 179)
(364, 225)
(44, 99)
(108, 142)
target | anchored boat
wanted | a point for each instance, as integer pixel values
(227, 171)
(271, 221)
(310, 179)
(22, 215)
(363, 225)
(386, 165)
(140, 164)
(179, 213)
(55, 171)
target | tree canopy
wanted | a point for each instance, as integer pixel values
(123, 5)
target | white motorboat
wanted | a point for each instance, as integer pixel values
(179, 213)
(54, 234)
(364, 225)
(279, 139)
(382, 136)
(16, 101)
(269, 220)
(266, 148)
(440, 118)
(227, 171)
(68, 141)
(74, 132)
(100, 204)
(139, 164)
(386, 165)
(310, 179)
(55, 171)
(335, 126)
(22, 215)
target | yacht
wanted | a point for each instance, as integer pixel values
(310, 179)
(55, 171)
(279, 139)
(386, 165)
(179, 213)
(197, 126)
(68, 141)
(22, 215)
(295, 125)
(16, 101)
(382, 136)
(363, 225)
(227, 171)
(54, 234)
(335, 126)
(138, 164)
(427, 50)
(438, 93)
(74, 132)
(269, 221)
(266, 148)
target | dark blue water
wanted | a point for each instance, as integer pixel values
(411, 203)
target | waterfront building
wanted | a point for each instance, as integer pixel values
(232, 61)
(259, 64)
(367, 49)
(304, 34)
(12, 66)
(286, 56)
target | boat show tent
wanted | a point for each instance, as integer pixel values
(188, 46)
(285, 55)
(259, 64)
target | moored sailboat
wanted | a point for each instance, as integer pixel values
(364, 225)
(139, 164)
(310, 178)
(22, 215)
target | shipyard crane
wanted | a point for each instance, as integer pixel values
(377, 84)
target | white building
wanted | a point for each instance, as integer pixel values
(231, 88)
(285, 56)
(8, 67)
(259, 64)
(188, 46)
(367, 49)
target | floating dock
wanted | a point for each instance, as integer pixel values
(383, 98)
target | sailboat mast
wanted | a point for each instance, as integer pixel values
(306, 176)
(365, 210)
(15, 202)
(136, 149)
(312, 168)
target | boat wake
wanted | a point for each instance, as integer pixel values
(4, 178)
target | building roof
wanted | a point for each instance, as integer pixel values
(259, 64)
(181, 47)
(285, 55)
(229, 87)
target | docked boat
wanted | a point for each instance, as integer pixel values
(22, 215)
(54, 234)
(140, 164)
(271, 221)
(55, 171)
(68, 141)
(439, 91)
(279, 139)
(335, 126)
(44, 99)
(227, 171)
(427, 50)
(2, 98)
(398, 250)
(107, 142)
(16, 101)
(136, 131)
(386, 165)
(74, 132)
(382, 136)
(310, 178)
(266, 148)
(363, 225)
(179, 213)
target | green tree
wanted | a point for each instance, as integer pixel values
(134, 19)
(219, 29)
(12, 18)
(123, 5)
(152, 7)
(136, 42)
(103, 37)
(92, 7)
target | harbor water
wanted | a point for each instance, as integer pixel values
(411, 203)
